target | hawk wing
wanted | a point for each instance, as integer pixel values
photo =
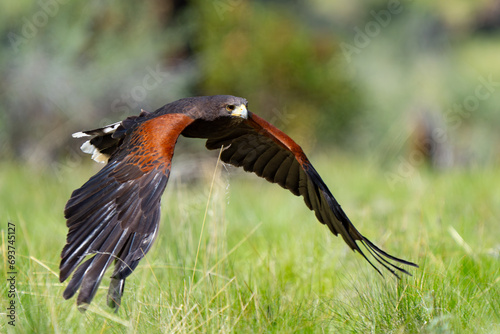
(261, 148)
(114, 216)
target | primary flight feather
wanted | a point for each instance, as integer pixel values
(114, 216)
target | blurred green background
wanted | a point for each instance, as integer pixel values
(396, 104)
(404, 83)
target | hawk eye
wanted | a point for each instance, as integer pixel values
(230, 107)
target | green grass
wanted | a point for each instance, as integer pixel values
(264, 263)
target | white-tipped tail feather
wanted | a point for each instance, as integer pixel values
(79, 135)
(87, 147)
(103, 142)
(111, 128)
(97, 132)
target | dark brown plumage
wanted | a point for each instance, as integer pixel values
(114, 216)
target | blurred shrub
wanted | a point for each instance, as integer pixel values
(291, 74)
(72, 65)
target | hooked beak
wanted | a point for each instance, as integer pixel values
(240, 111)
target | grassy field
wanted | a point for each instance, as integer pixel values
(260, 262)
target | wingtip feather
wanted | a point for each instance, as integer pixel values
(381, 257)
(115, 293)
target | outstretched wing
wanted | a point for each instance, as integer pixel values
(259, 147)
(114, 216)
